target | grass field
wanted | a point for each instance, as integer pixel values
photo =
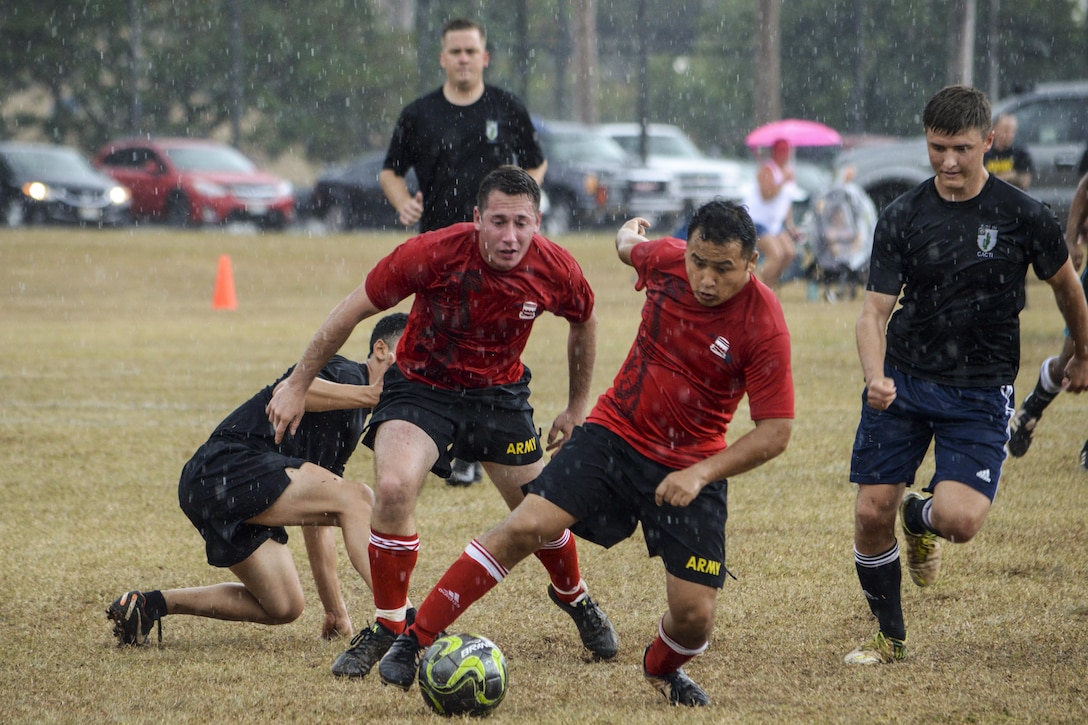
(115, 367)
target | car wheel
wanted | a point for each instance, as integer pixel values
(177, 211)
(14, 213)
(560, 218)
(336, 217)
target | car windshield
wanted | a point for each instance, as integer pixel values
(209, 158)
(673, 146)
(584, 148)
(49, 163)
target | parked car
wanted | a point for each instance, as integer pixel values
(42, 183)
(697, 178)
(1052, 124)
(592, 181)
(348, 196)
(188, 182)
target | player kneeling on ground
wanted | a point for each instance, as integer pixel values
(653, 449)
(240, 489)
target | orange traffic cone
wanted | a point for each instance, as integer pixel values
(224, 297)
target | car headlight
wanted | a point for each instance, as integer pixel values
(37, 191)
(284, 188)
(208, 188)
(119, 195)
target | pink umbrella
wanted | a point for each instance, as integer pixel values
(796, 131)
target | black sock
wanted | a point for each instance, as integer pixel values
(881, 577)
(155, 604)
(913, 519)
(1038, 400)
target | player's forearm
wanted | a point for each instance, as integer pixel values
(321, 552)
(325, 395)
(581, 356)
(1078, 211)
(331, 336)
(767, 440)
(395, 189)
(1069, 295)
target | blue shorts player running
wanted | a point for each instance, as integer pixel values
(941, 369)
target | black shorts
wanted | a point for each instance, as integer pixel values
(227, 482)
(489, 424)
(607, 485)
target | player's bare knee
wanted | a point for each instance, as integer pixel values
(961, 529)
(873, 516)
(283, 610)
(392, 492)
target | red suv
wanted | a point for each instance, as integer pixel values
(194, 181)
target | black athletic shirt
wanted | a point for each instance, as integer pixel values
(961, 267)
(454, 147)
(327, 439)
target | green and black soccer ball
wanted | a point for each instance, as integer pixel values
(463, 674)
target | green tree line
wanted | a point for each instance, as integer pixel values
(327, 78)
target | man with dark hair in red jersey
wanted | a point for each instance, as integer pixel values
(653, 451)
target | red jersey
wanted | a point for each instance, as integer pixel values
(690, 365)
(469, 323)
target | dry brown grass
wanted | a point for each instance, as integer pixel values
(115, 368)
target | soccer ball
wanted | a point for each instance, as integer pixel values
(463, 674)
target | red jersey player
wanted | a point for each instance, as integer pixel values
(459, 388)
(653, 449)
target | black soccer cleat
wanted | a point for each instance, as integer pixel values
(1021, 430)
(131, 622)
(367, 647)
(400, 665)
(1084, 456)
(594, 628)
(677, 687)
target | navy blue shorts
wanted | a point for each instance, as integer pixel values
(608, 486)
(227, 482)
(967, 426)
(489, 424)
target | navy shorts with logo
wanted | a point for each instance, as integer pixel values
(488, 424)
(227, 482)
(598, 478)
(967, 426)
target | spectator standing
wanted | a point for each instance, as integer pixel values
(941, 369)
(453, 137)
(1005, 159)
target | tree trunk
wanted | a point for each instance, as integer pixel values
(768, 63)
(585, 54)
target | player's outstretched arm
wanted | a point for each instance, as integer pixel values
(631, 234)
(289, 402)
